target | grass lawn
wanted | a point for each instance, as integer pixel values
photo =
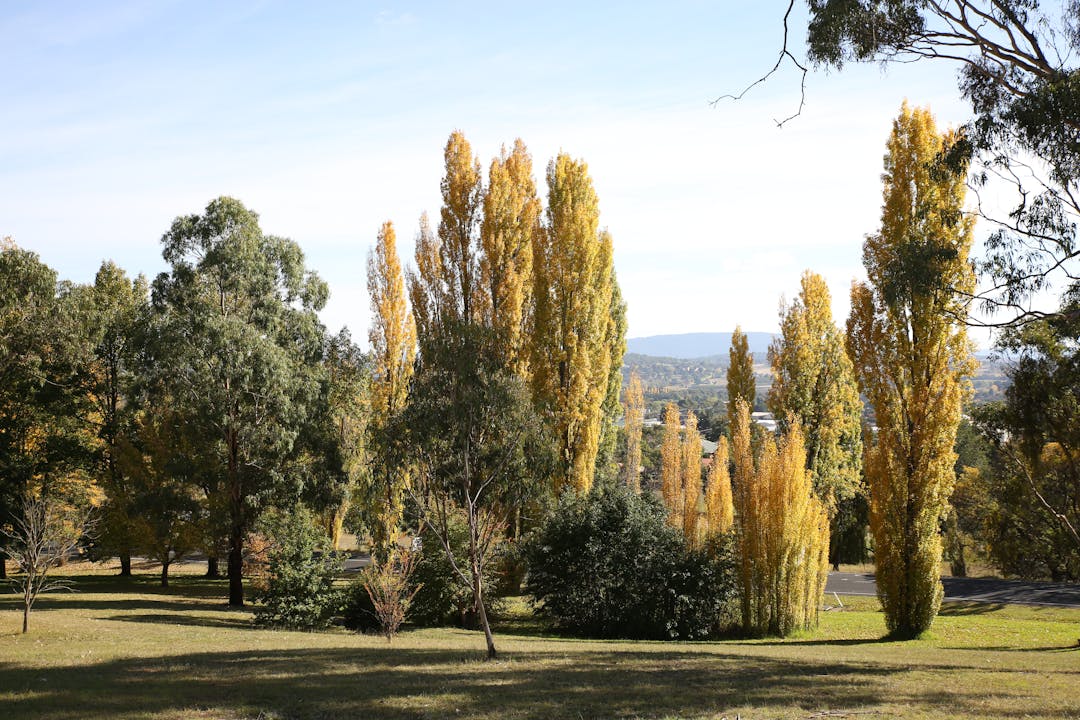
(126, 649)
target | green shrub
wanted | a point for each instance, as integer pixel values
(443, 599)
(299, 592)
(609, 565)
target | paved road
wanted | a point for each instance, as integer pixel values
(983, 590)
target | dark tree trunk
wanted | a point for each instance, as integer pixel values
(125, 564)
(236, 566)
(212, 570)
(165, 573)
(3, 565)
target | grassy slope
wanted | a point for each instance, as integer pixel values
(126, 650)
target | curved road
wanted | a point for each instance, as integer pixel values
(980, 590)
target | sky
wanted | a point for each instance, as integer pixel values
(329, 118)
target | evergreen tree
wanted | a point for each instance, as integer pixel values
(237, 347)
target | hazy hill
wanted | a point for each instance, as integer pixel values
(695, 345)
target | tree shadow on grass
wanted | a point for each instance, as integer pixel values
(179, 618)
(393, 681)
(956, 608)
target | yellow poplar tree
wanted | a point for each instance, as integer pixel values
(573, 288)
(446, 288)
(814, 382)
(690, 490)
(719, 510)
(634, 415)
(392, 337)
(783, 531)
(741, 383)
(671, 463)
(510, 225)
(911, 355)
(615, 340)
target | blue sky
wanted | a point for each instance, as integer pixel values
(329, 118)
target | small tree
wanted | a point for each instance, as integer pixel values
(476, 441)
(40, 539)
(300, 581)
(389, 585)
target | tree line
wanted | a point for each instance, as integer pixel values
(188, 407)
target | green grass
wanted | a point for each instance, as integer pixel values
(126, 649)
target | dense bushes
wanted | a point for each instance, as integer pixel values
(609, 565)
(299, 591)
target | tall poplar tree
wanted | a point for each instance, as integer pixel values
(690, 484)
(606, 464)
(741, 383)
(671, 464)
(911, 355)
(237, 347)
(634, 420)
(392, 337)
(814, 384)
(508, 231)
(719, 510)
(783, 531)
(572, 354)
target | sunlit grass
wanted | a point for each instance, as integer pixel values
(127, 649)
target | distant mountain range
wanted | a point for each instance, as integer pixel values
(695, 345)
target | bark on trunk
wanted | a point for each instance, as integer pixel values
(3, 565)
(125, 564)
(165, 574)
(236, 566)
(26, 619)
(212, 570)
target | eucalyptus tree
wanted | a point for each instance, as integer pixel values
(238, 346)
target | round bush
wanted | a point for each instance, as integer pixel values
(609, 565)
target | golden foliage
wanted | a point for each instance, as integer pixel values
(741, 383)
(573, 286)
(690, 489)
(509, 228)
(671, 464)
(392, 336)
(782, 532)
(634, 414)
(813, 381)
(911, 356)
(719, 510)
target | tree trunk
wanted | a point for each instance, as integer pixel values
(165, 573)
(25, 619)
(212, 570)
(236, 565)
(125, 564)
(3, 565)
